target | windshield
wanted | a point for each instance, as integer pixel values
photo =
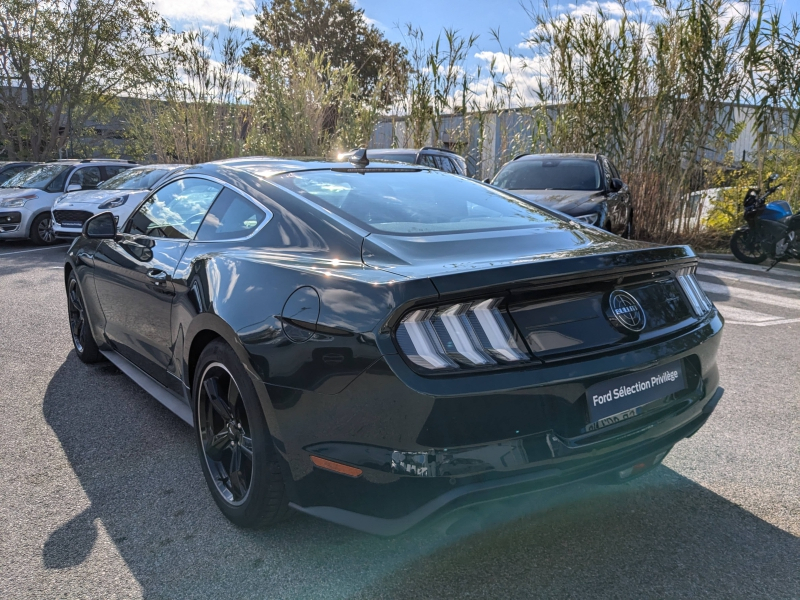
(409, 202)
(549, 174)
(135, 179)
(38, 177)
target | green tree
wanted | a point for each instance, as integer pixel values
(63, 61)
(337, 31)
(201, 108)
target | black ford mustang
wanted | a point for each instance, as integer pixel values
(372, 343)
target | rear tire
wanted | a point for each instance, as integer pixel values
(82, 337)
(746, 247)
(42, 233)
(237, 455)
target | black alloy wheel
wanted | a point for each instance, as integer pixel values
(42, 230)
(240, 463)
(746, 247)
(227, 441)
(85, 346)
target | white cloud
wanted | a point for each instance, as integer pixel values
(516, 79)
(240, 13)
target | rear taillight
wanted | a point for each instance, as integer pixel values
(694, 293)
(469, 334)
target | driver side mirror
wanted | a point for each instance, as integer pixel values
(616, 184)
(74, 187)
(100, 227)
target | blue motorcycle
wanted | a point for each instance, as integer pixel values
(770, 231)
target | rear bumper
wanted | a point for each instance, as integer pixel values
(457, 442)
(650, 452)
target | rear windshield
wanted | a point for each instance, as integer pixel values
(409, 202)
(38, 177)
(135, 179)
(549, 174)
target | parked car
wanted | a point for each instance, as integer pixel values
(435, 158)
(586, 187)
(120, 195)
(26, 198)
(11, 167)
(372, 344)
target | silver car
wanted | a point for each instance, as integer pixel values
(26, 198)
(119, 195)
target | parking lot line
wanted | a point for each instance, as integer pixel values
(745, 294)
(760, 281)
(762, 268)
(32, 250)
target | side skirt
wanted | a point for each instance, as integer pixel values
(151, 386)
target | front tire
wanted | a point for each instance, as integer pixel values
(42, 233)
(82, 337)
(746, 247)
(237, 455)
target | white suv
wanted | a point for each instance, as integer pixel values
(119, 195)
(26, 198)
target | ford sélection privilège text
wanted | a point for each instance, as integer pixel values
(376, 343)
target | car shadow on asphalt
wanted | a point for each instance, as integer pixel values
(662, 536)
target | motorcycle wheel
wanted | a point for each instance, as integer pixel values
(746, 247)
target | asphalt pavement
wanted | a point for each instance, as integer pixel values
(102, 494)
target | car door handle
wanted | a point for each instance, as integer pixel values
(157, 275)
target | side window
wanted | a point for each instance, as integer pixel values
(87, 177)
(112, 171)
(230, 217)
(427, 160)
(614, 172)
(176, 210)
(445, 164)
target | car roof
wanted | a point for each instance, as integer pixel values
(380, 151)
(170, 166)
(584, 155)
(265, 166)
(94, 161)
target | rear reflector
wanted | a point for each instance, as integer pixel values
(471, 334)
(329, 465)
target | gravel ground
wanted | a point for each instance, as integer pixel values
(103, 496)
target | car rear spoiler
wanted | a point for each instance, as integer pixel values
(555, 270)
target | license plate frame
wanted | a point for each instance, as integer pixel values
(621, 398)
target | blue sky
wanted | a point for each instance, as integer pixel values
(391, 16)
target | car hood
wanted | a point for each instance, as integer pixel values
(567, 201)
(499, 257)
(97, 196)
(15, 192)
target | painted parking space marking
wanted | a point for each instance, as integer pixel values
(768, 297)
(746, 294)
(750, 279)
(762, 268)
(33, 250)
